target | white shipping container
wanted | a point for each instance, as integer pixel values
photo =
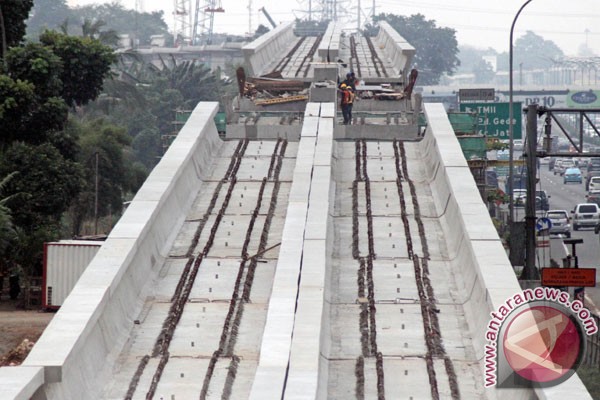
(64, 263)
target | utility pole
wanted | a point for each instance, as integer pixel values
(96, 198)
(249, 17)
(358, 18)
(530, 271)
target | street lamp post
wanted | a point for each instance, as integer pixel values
(511, 205)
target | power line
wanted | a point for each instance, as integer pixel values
(446, 7)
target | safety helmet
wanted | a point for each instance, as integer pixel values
(343, 86)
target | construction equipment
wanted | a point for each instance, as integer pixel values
(273, 24)
(183, 22)
(204, 20)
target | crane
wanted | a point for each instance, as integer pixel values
(204, 19)
(268, 17)
(183, 20)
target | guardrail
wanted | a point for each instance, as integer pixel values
(396, 48)
(474, 248)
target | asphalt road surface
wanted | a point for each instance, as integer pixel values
(566, 197)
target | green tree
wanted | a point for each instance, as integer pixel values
(470, 57)
(533, 52)
(483, 71)
(88, 64)
(93, 29)
(123, 21)
(7, 229)
(13, 14)
(37, 64)
(115, 171)
(50, 181)
(47, 15)
(16, 105)
(437, 47)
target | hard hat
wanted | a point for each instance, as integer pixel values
(343, 86)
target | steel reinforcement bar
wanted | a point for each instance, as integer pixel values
(184, 286)
(429, 312)
(365, 282)
(377, 63)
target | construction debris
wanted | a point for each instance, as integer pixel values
(280, 100)
(17, 355)
(270, 89)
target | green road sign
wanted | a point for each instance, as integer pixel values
(494, 118)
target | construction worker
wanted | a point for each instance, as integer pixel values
(350, 81)
(347, 100)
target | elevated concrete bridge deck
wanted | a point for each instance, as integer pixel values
(298, 270)
(308, 266)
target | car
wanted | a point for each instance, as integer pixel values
(560, 222)
(543, 203)
(565, 165)
(551, 163)
(594, 184)
(588, 178)
(557, 166)
(518, 144)
(593, 197)
(573, 175)
(519, 197)
(586, 215)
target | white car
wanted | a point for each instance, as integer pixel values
(560, 222)
(586, 215)
(519, 197)
(518, 144)
(565, 165)
(594, 185)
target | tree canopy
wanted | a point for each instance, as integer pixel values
(437, 47)
(113, 17)
(13, 14)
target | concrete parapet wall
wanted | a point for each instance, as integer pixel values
(329, 48)
(396, 48)
(475, 251)
(290, 364)
(78, 349)
(273, 363)
(268, 47)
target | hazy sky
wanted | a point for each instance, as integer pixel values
(480, 23)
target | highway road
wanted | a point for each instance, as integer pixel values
(565, 197)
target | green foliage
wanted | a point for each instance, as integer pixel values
(147, 147)
(37, 64)
(47, 15)
(88, 64)
(7, 230)
(50, 181)
(483, 71)
(16, 104)
(436, 47)
(113, 17)
(533, 52)
(13, 14)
